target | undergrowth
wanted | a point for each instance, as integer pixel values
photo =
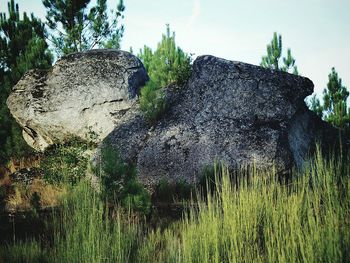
(253, 218)
(66, 163)
(119, 183)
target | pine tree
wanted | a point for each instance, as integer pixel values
(76, 27)
(335, 102)
(274, 54)
(167, 64)
(315, 105)
(22, 47)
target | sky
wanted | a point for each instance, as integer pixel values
(317, 31)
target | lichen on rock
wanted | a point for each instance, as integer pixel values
(228, 111)
(232, 112)
(86, 92)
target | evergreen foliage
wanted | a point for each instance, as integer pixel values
(167, 64)
(22, 47)
(315, 106)
(77, 27)
(3, 195)
(119, 182)
(274, 54)
(152, 101)
(334, 108)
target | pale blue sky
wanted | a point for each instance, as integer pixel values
(317, 31)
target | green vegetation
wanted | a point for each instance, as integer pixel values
(168, 64)
(261, 220)
(88, 234)
(245, 216)
(249, 217)
(24, 252)
(22, 47)
(152, 101)
(66, 163)
(119, 182)
(334, 108)
(77, 27)
(169, 192)
(83, 233)
(274, 54)
(315, 105)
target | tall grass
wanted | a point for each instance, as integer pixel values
(88, 233)
(259, 219)
(248, 217)
(85, 231)
(23, 252)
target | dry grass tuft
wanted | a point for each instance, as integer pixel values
(20, 195)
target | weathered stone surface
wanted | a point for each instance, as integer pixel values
(229, 111)
(83, 93)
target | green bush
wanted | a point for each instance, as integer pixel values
(65, 163)
(119, 182)
(111, 170)
(152, 101)
(168, 64)
(136, 197)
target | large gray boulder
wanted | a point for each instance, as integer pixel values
(232, 112)
(84, 93)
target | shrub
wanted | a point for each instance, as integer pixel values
(168, 64)
(65, 163)
(119, 182)
(136, 197)
(111, 172)
(152, 101)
